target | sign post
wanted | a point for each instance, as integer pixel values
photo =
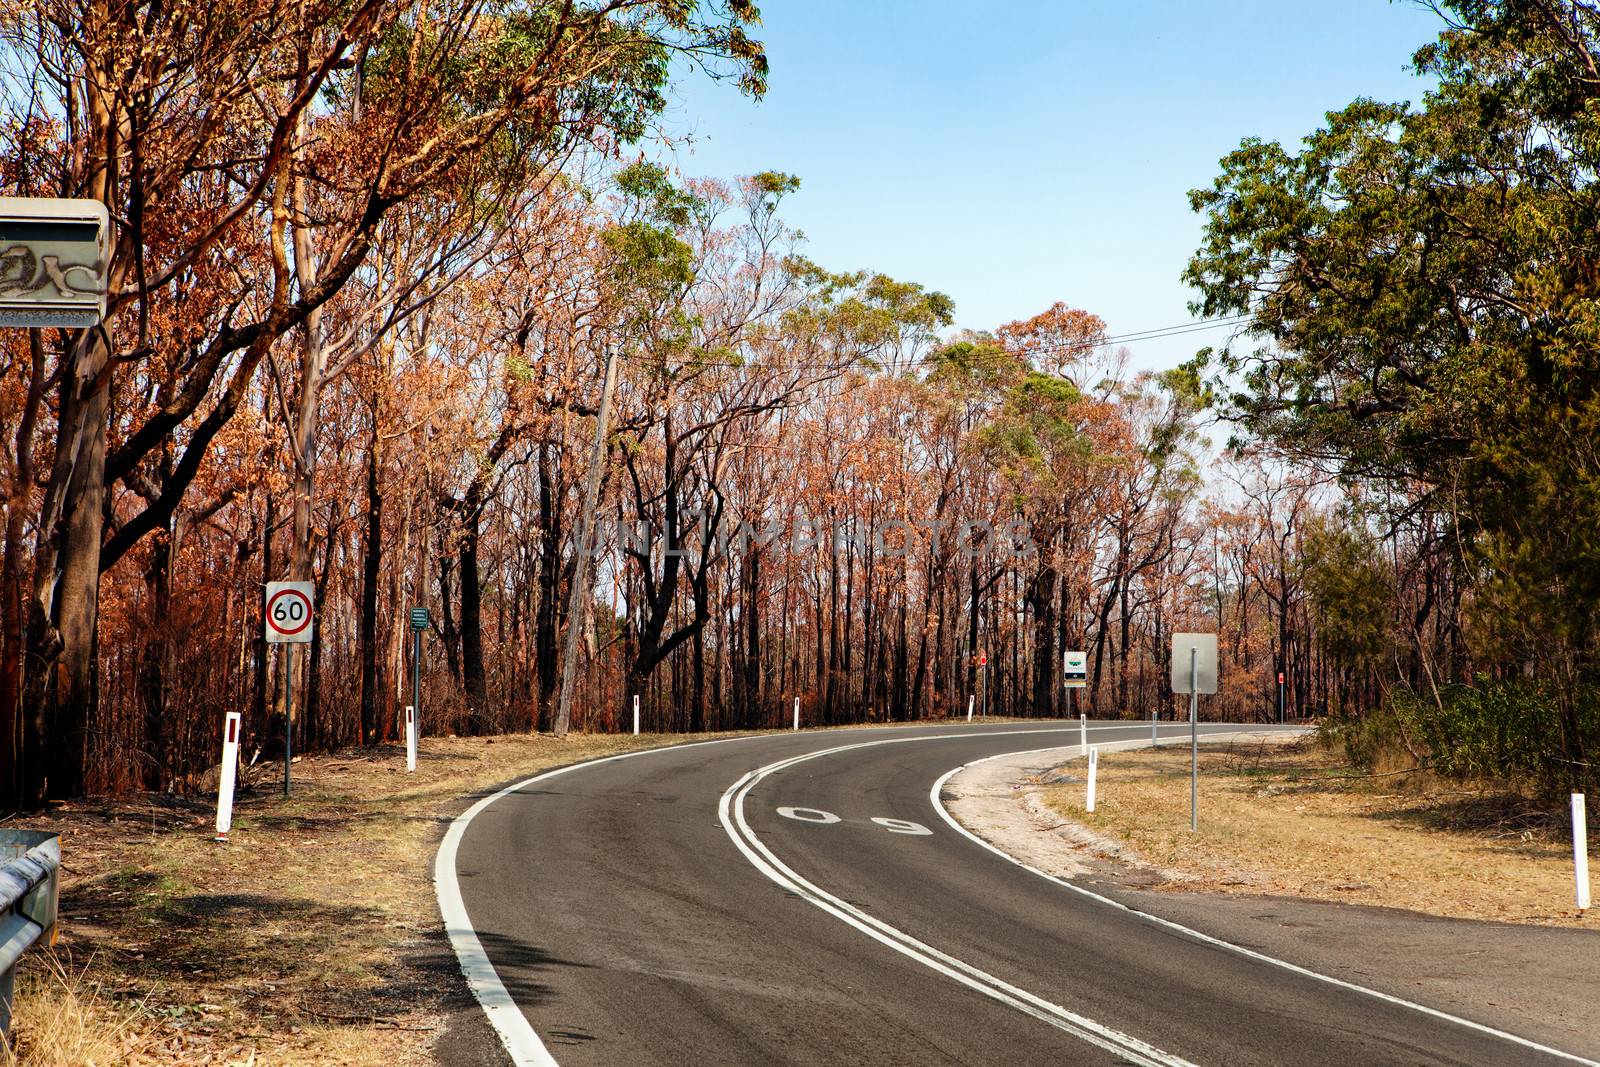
(419, 623)
(1280, 698)
(227, 774)
(1194, 671)
(288, 620)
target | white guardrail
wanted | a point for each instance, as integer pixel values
(30, 862)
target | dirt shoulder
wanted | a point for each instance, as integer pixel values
(1295, 820)
(313, 937)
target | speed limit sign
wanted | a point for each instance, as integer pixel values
(288, 613)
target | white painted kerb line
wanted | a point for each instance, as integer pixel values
(934, 795)
(731, 812)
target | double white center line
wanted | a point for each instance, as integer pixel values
(730, 809)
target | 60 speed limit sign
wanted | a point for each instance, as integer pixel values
(288, 613)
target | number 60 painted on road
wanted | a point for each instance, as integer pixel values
(828, 818)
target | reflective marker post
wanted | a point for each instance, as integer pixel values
(227, 775)
(1580, 851)
(411, 738)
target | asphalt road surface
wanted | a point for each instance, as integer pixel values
(802, 899)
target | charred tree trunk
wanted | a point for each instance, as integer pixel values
(371, 561)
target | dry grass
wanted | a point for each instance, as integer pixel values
(1294, 819)
(312, 938)
(71, 1023)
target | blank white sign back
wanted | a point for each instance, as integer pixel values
(1206, 662)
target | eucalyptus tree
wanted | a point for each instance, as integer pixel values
(1421, 286)
(206, 128)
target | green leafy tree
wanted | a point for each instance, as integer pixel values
(1422, 284)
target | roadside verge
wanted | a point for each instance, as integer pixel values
(1457, 970)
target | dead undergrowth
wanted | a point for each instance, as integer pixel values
(1296, 819)
(311, 938)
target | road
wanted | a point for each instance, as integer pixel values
(801, 899)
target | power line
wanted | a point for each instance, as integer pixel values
(1179, 330)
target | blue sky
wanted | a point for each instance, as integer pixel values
(1017, 154)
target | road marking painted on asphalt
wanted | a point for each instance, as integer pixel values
(730, 810)
(826, 818)
(938, 805)
(903, 826)
(517, 1035)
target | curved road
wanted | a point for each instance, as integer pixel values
(800, 898)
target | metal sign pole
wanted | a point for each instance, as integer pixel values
(1194, 739)
(288, 714)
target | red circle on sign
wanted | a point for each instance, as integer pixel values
(286, 630)
(983, 659)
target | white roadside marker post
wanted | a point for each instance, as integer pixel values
(1083, 732)
(226, 775)
(1580, 851)
(1094, 765)
(636, 715)
(797, 713)
(972, 698)
(411, 738)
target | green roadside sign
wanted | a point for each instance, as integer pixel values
(419, 618)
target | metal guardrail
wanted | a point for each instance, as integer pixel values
(30, 862)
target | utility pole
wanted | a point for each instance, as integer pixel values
(578, 602)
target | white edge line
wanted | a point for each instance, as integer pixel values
(516, 1034)
(730, 811)
(938, 805)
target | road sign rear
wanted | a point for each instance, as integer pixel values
(1206, 662)
(1075, 670)
(289, 611)
(53, 259)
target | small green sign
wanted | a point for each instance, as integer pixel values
(419, 618)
